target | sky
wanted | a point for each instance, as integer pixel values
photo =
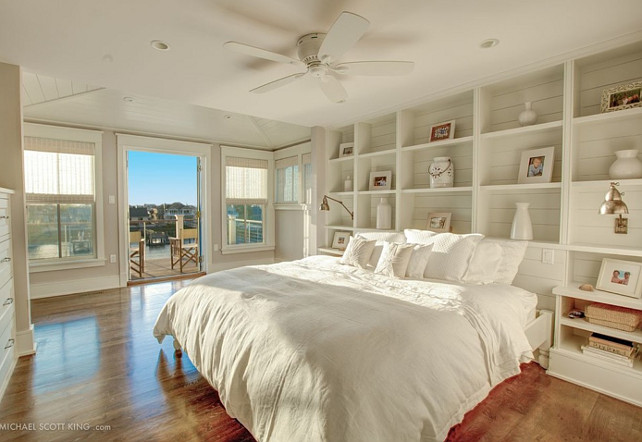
(157, 178)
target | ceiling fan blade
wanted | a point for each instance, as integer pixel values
(343, 34)
(333, 89)
(277, 83)
(375, 68)
(253, 51)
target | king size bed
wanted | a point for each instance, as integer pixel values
(316, 350)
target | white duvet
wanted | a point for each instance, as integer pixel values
(313, 350)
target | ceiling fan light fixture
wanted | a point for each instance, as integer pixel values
(159, 45)
(489, 43)
(128, 99)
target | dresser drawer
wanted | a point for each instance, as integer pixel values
(4, 217)
(6, 305)
(7, 351)
(5, 261)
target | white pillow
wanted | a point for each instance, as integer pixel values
(512, 255)
(381, 237)
(450, 255)
(357, 252)
(484, 263)
(394, 259)
(419, 236)
(418, 261)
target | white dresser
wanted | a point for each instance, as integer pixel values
(7, 309)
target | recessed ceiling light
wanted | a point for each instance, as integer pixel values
(490, 43)
(160, 45)
(128, 99)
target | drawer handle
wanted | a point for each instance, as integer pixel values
(8, 301)
(6, 260)
(10, 343)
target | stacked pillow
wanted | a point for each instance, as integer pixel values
(417, 254)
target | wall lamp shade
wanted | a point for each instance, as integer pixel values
(325, 206)
(613, 205)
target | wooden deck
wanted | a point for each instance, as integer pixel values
(161, 268)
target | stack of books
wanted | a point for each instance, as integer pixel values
(608, 348)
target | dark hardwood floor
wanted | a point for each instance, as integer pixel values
(100, 375)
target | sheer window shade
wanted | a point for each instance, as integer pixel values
(287, 179)
(246, 180)
(59, 171)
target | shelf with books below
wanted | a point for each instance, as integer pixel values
(573, 346)
(610, 349)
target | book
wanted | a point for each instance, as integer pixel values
(609, 340)
(607, 356)
(626, 352)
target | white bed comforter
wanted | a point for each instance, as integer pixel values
(313, 350)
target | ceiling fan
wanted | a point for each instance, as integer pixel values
(319, 52)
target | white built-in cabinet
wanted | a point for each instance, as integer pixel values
(486, 153)
(7, 307)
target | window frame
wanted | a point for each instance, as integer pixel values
(268, 212)
(83, 135)
(299, 150)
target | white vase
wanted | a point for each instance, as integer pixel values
(627, 165)
(442, 172)
(384, 214)
(528, 116)
(347, 185)
(522, 227)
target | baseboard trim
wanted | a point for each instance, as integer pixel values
(74, 286)
(25, 342)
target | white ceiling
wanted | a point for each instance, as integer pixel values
(107, 43)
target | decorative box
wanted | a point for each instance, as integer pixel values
(613, 316)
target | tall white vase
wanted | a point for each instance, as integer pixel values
(522, 227)
(627, 165)
(528, 116)
(384, 214)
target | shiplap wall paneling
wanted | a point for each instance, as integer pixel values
(415, 123)
(337, 215)
(587, 226)
(368, 209)
(497, 209)
(540, 278)
(337, 171)
(502, 102)
(417, 161)
(375, 162)
(500, 156)
(415, 207)
(603, 71)
(585, 267)
(377, 135)
(597, 142)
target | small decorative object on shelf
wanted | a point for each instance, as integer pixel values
(626, 166)
(624, 96)
(621, 277)
(346, 150)
(442, 131)
(575, 313)
(613, 205)
(384, 214)
(442, 172)
(586, 287)
(528, 116)
(381, 180)
(340, 240)
(347, 184)
(439, 222)
(536, 166)
(522, 227)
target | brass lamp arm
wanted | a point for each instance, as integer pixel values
(340, 202)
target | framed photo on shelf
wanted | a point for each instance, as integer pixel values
(624, 96)
(442, 131)
(346, 150)
(621, 277)
(340, 240)
(536, 166)
(439, 222)
(381, 180)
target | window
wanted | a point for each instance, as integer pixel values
(246, 199)
(306, 160)
(287, 180)
(60, 187)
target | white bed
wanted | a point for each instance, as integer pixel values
(313, 350)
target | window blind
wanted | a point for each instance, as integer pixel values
(246, 180)
(59, 171)
(287, 179)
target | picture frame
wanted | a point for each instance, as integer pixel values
(380, 180)
(536, 165)
(621, 277)
(346, 150)
(439, 222)
(340, 240)
(442, 131)
(624, 96)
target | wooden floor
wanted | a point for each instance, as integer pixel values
(100, 375)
